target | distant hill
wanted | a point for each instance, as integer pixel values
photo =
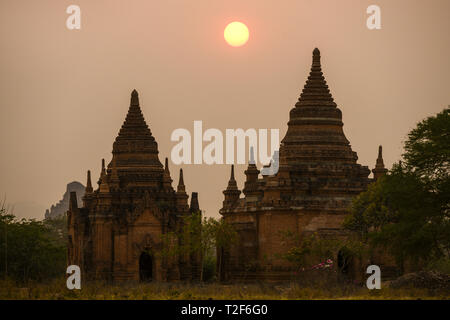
(63, 205)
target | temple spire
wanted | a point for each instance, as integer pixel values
(89, 188)
(316, 58)
(380, 169)
(167, 180)
(134, 98)
(181, 195)
(194, 207)
(232, 184)
(316, 92)
(181, 188)
(134, 128)
(102, 172)
(231, 192)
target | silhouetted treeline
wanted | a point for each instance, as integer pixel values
(30, 249)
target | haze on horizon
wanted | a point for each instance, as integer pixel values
(64, 93)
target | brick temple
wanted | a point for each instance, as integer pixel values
(317, 179)
(118, 233)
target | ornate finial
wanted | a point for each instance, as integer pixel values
(102, 173)
(167, 180)
(166, 165)
(181, 181)
(316, 58)
(181, 187)
(232, 184)
(134, 98)
(88, 183)
(379, 170)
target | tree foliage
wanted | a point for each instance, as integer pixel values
(407, 211)
(30, 249)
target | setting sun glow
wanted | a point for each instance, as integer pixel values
(236, 34)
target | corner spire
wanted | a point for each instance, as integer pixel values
(231, 192)
(166, 165)
(232, 185)
(167, 180)
(194, 207)
(89, 188)
(181, 188)
(380, 169)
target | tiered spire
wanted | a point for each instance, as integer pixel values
(167, 180)
(252, 172)
(135, 151)
(104, 188)
(316, 90)
(181, 188)
(379, 170)
(194, 207)
(89, 188)
(102, 172)
(181, 194)
(315, 125)
(135, 129)
(232, 184)
(232, 192)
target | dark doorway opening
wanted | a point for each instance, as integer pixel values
(145, 267)
(344, 260)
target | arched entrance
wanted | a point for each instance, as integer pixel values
(145, 267)
(344, 261)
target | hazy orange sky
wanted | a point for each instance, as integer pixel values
(64, 93)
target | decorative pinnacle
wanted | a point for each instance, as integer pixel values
(316, 58)
(134, 98)
(232, 184)
(181, 188)
(380, 162)
(232, 173)
(181, 181)
(88, 183)
(166, 165)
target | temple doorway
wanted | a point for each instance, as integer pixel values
(145, 267)
(344, 261)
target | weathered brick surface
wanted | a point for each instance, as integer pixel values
(317, 179)
(132, 211)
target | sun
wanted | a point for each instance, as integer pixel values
(236, 34)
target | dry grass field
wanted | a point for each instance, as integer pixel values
(170, 291)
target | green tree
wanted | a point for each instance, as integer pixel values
(407, 211)
(30, 249)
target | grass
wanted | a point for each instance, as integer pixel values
(56, 290)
